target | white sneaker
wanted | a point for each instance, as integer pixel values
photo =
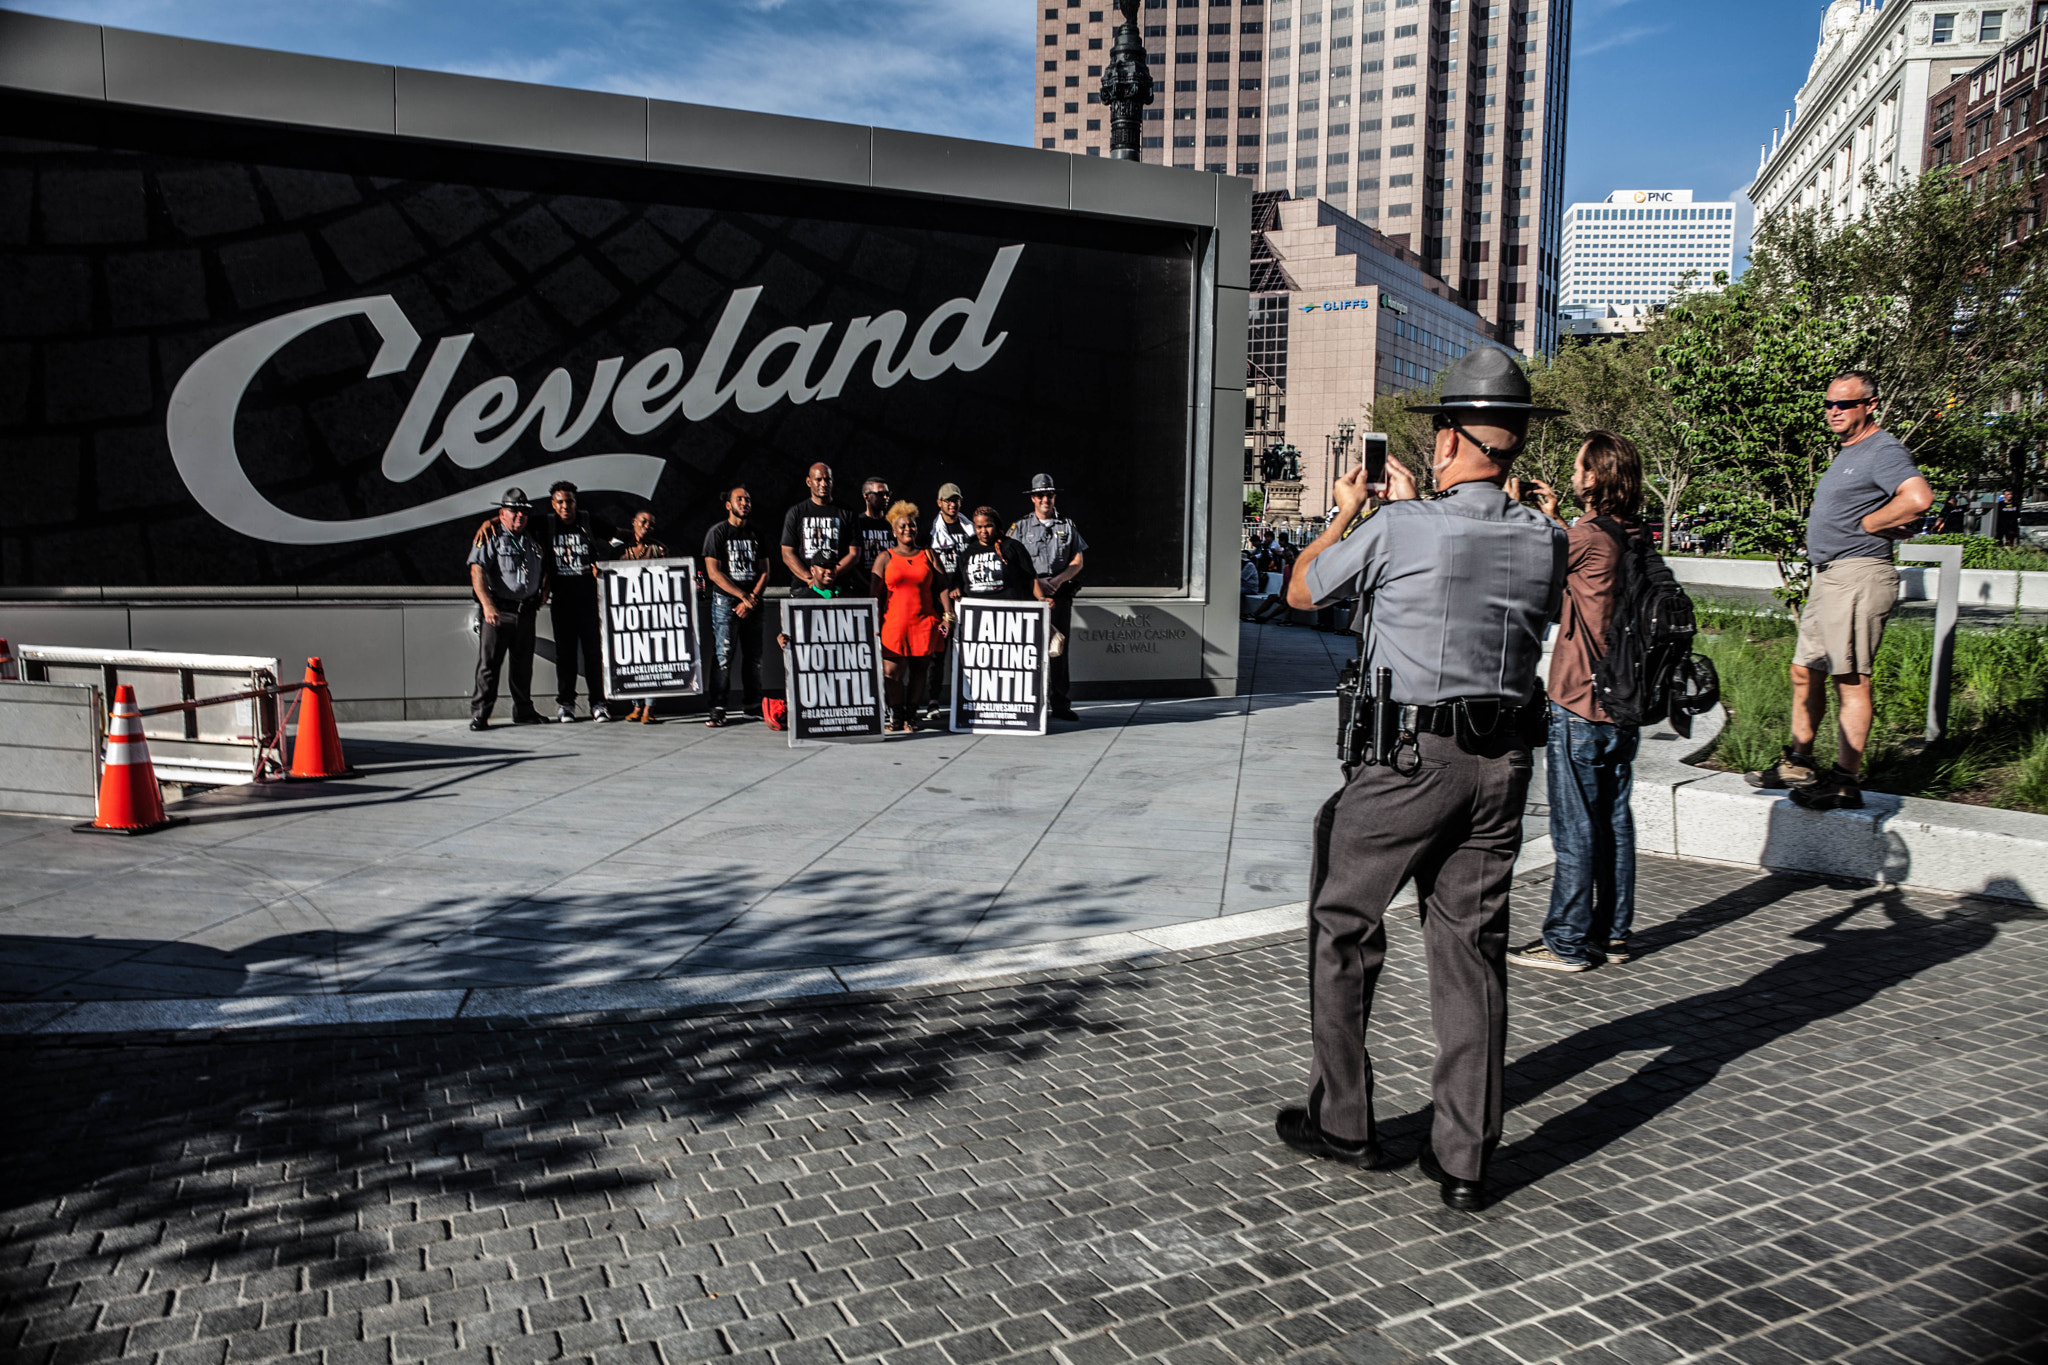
(565, 714)
(600, 713)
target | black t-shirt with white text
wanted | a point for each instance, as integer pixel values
(874, 537)
(998, 570)
(738, 551)
(810, 528)
(576, 543)
(948, 541)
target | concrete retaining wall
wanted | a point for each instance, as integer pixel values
(1979, 587)
(1716, 817)
(49, 749)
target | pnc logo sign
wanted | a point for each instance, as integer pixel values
(1652, 197)
(474, 432)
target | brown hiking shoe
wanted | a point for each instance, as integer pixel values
(1791, 770)
(1836, 790)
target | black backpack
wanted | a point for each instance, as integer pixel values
(1649, 672)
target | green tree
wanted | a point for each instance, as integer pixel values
(1745, 375)
(1939, 294)
(1611, 386)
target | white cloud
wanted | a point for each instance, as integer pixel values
(1612, 40)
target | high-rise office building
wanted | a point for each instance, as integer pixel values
(1438, 122)
(1634, 246)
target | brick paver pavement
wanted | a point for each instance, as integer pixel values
(1807, 1124)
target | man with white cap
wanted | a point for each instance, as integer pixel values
(950, 534)
(1456, 593)
(1057, 550)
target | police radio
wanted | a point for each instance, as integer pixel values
(1368, 717)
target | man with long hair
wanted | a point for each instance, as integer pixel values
(1592, 830)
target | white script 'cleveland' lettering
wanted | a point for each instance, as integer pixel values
(484, 423)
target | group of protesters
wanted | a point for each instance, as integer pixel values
(526, 559)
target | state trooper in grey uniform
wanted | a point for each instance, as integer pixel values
(1455, 593)
(1058, 551)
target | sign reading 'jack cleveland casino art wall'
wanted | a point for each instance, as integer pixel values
(232, 356)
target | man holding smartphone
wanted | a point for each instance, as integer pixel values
(1457, 593)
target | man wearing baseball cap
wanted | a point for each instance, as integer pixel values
(1056, 549)
(950, 534)
(1455, 594)
(509, 571)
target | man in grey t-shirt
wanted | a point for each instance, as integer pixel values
(1871, 496)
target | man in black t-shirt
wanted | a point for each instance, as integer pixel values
(871, 531)
(736, 563)
(819, 526)
(578, 540)
(992, 564)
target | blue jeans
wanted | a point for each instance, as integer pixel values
(1593, 832)
(729, 632)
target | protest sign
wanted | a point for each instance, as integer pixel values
(648, 627)
(1000, 666)
(834, 668)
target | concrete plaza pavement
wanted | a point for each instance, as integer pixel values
(578, 855)
(1808, 1123)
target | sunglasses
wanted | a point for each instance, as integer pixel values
(1833, 403)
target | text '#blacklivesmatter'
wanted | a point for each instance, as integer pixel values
(835, 659)
(648, 615)
(999, 659)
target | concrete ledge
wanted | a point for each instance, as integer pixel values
(1978, 588)
(1716, 817)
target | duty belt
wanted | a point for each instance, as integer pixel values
(1483, 716)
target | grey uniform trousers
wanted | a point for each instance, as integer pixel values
(1454, 824)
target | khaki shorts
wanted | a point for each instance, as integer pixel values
(1845, 615)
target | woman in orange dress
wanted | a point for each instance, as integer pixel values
(911, 587)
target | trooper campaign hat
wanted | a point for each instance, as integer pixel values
(1485, 380)
(515, 498)
(1043, 483)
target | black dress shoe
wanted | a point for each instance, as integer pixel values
(1298, 1132)
(526, 718)
(1468, 1195)
(479, 723)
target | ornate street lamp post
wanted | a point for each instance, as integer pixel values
(1126, 86)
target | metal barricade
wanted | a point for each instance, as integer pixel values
(222, 744)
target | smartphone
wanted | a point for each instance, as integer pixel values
(1375, 462)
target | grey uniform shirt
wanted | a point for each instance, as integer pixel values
(1861, 478)
(1051, 545)
(1460, 591)
(513, 565)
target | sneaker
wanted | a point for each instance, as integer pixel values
(1836, 790)
(526, 717)
(479, 722)
(564, 714)
(1617, 951)
(601, 714)
(716, 720)
(1538, 954)
(1792, 770)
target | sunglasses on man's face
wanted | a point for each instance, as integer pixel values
(1833, 403)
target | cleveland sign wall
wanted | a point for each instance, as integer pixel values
(276, 331)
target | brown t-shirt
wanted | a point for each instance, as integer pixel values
(1592, 566)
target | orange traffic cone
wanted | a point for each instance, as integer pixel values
(317, 751)
(130, 800)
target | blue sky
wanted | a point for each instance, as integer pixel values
(1665, 93)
